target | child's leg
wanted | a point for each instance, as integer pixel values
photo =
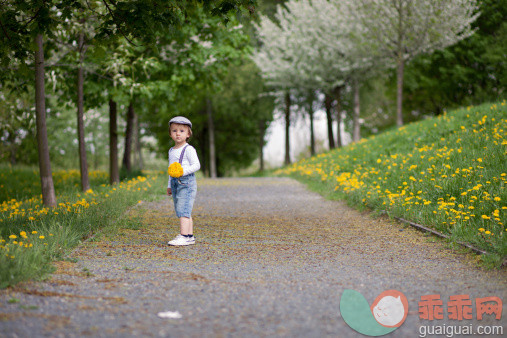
(186, 226)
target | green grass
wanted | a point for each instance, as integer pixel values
(22, 182)
(448, 172)
(32, 237)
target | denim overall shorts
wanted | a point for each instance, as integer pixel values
(184, 190)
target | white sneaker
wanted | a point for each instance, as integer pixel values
(182, 240)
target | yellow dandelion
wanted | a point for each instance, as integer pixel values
(175, 170)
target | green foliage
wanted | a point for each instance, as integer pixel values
(241, 112)
(193, 49)
(22, 20)
(125, 175)
(471, 72)
(17, 128)
(211, 66)
(447, 172)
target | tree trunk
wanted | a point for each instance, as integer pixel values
(337, 91)
(399, 96)
(114, 174)
(83, 163)
(13, 148)
(356, 135)
(12, 156)
(211, 134)
(329, 114)
(262, 133)
(312, 132)
(127, 163)
(134, 142)
(139, 146)
(287, 128)
(138, 157)
(400, 65)
(48, 189)
(204, 140)
(95, 154)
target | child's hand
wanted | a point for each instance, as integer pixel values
(169, 192)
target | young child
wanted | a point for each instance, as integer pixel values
(184, 188)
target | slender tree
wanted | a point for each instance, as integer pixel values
(310, 100)
(337, 95)
(23, 26)
(211, 139)
(262, 134)
(399, 30)
(328, 105)
(114, 174)
(274, 60)
(48, 190)
(138, 156)
(311, 47)
(83, 163)
(356, 133)
(287, 127)
(127, 162)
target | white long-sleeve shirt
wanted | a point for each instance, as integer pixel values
(190, 162)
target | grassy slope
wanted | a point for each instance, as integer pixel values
(448, 172)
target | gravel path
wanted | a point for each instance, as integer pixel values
(271, 259)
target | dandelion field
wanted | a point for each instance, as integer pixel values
(447, 172)
(32, 236)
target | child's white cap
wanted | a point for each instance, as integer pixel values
(181, 120)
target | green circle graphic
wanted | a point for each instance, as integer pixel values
(356, 312)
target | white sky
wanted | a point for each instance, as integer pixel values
(274, 150)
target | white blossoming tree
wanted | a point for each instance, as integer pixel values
(399, 30)
(275, 60)
(314, 46)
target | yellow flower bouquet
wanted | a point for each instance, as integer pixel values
(175, 170)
